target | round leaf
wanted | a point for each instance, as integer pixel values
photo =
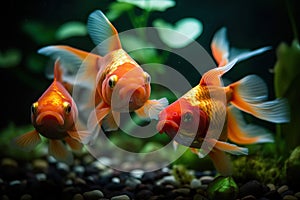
(184, 32)
(151, 5)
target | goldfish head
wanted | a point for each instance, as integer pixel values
(127, 88)
(54, 113)
(186, 123)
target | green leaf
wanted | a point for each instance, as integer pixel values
(184, 32)
(287, 67)
(222, 188)
(10, 58)
(71, 29)
(116, 9)
(39, 32)
(151, 5)
(140, 50)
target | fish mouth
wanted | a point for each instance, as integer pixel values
(167, 126)
(46, 115)
(172, 129)
(130, 98)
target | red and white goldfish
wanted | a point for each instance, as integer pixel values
(118, 83)
(209, 114)
(53, 116)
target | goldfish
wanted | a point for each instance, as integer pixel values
(117, 83)
(208, 118)
(54, 116)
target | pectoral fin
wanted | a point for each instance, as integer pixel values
(152, 108)
(95, 121)
(59, 151)
(28, 141)
(221, 162)
(74, 144)
(227, 147)
(111, 122)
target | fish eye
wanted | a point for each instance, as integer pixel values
(112, 81)
(147, 78)
(67, 107)
(34, 107)
(188, 116)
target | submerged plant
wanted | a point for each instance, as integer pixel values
(265, 170)
(292, 166)
(181, 174)
(223, 187)
(287, 85)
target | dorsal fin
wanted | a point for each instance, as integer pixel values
(223, 53)
(57, 71)
(103, 33)
(220, 47)
(213, 76)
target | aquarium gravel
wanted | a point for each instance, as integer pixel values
(88, 179)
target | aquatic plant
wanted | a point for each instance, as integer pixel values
(292, 166)
(286, 84)
(222, 187)
(181, 174)
(257, 167)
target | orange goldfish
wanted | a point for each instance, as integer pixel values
(116, 81)
(209, 114)
(53, 116)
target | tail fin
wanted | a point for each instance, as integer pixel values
(223, 53)
(249, 95)
(77, 65)
(242, 133)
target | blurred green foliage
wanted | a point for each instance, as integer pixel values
(287, 85)
(8, 149)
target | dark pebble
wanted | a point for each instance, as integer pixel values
(254, 188)
(144, 194)
(249, 197)
(273, 194)
(93, 195)
(287, 192)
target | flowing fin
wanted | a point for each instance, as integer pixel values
(213, 76)
(81, 136)
(221, 162)
(152, 108)
(223, 53)
(220, 47)
(198, 152)
(242, 133)
(111, 122)
(248, 95)
(103, 33)
(77, 65)
(175, 145)
(74, 144)
(27, 141)
(243, 54)
(58, 150)
(227, 147)
(95, 121)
